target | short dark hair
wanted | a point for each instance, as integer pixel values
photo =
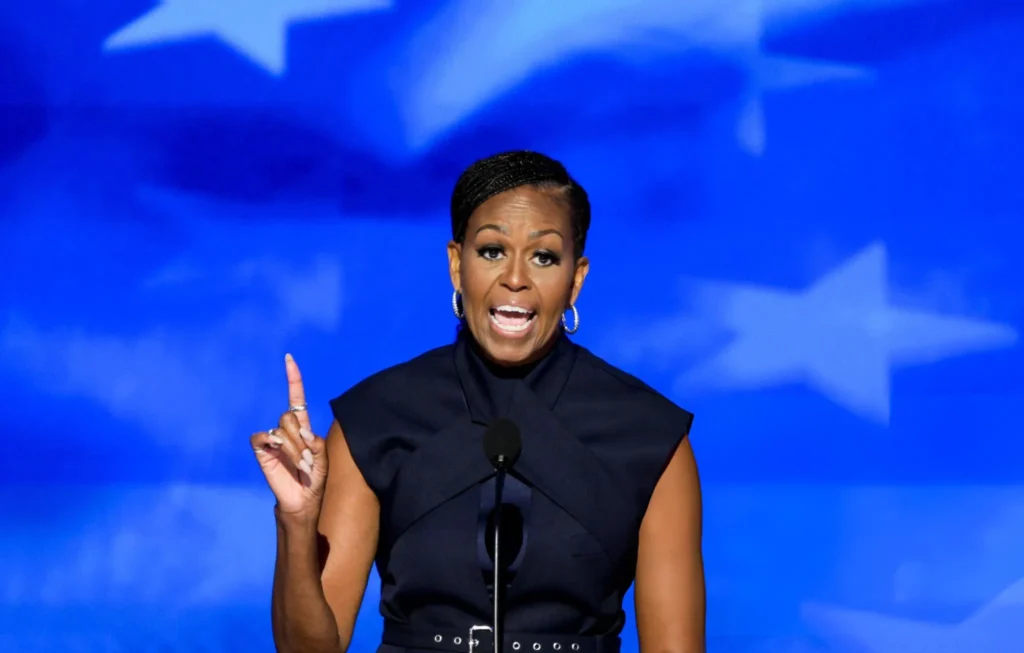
(501, 172)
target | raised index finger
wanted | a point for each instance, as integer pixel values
(296, 393)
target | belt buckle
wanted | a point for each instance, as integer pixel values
(473, 641)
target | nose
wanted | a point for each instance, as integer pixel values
(516, 277)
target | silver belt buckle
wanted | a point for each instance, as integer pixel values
(473, 641)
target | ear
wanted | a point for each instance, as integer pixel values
(455, 264)
(579, 275)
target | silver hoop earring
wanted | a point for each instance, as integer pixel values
(459, 313)
(575, 320)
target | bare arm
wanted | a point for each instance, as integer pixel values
(321, 570)
(669, 593)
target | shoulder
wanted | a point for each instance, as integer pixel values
(414, 385)
(597, 377)
(381, 414)
(634, 428)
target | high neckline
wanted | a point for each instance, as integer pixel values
(489, 388)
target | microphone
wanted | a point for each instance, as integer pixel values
(502, 446)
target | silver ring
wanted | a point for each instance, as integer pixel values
(297, 408)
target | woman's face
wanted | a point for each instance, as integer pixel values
(516, 272)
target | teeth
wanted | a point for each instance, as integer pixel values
(511, 328)
(512, 319)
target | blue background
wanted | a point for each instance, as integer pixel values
(807, 230)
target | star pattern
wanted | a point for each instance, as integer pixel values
(472, 55)
(179, 224)
(258, 30)
(841, 337)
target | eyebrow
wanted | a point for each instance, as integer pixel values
(533, 234)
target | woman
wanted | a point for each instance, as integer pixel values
(606, 489)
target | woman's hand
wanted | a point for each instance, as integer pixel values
(293, 459)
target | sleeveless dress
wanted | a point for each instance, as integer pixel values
(595, 441)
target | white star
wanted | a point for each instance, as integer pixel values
(256, 28)
(473, 53)
(995, 628)
(840, 336)
(769, 73)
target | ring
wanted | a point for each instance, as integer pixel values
(297, 408)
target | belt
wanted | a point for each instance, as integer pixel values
(478, 639)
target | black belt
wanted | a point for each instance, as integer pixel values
(479, 639)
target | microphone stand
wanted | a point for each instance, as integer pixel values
(499, 484)
(502, 446)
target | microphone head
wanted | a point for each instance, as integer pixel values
(502, 443)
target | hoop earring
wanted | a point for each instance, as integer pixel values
(459, 313)
(575, 320)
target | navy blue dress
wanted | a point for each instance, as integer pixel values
(595, 442)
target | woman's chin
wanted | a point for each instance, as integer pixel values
(515, 349)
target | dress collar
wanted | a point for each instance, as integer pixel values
(488, 388)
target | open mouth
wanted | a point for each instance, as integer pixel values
(512, 319)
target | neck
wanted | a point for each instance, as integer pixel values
(504, 369)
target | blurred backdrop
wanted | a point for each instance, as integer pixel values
(807, 230)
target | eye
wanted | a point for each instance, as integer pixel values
(545, 258)
(490, 252)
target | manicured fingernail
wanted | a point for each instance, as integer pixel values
(304, 466)
(307, 456)
(288, 357)
(306, 434)
(275, 440)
